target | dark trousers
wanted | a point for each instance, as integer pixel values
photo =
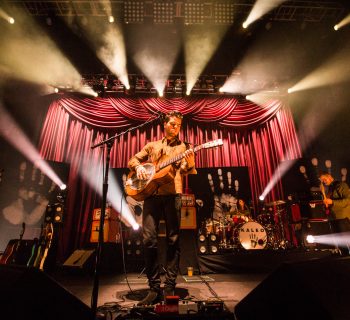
(169, 208)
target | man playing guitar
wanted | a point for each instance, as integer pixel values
(164, 202)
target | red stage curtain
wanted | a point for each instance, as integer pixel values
(259, 137)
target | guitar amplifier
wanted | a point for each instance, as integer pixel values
(110, 231)
(314, 209)
(188, 218)
(110, 214)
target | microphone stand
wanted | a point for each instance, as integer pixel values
(109, 143)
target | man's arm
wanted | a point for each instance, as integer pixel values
(188, 163)
(139, 157)
(344, 192)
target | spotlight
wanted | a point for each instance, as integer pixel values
(213, 237)
(11, 20)
(261, 198)
(110, 19)
(161, 93)
(310, 238)
(188, 93)
(201, 238)
(56, 90)
(290, 90)
(202, 249)
(245, 25)
(336, 27)
(136, 226)
(248, 97)
(221, 89)
(63, 187)
(213, 249)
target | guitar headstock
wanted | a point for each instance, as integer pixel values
(212, 144)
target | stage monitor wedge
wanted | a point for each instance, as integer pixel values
(28, 293)
(314, 289)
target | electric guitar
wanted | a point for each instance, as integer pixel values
(48, 241)
(324, 196)
(36, 249)
(158, 174)
(9, 256)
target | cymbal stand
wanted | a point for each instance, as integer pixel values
(283, 241)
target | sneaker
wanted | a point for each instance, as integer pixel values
(151, 298)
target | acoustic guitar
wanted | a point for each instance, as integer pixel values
(158, 174)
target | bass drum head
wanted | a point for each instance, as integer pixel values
(252, 235)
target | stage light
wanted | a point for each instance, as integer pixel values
(248, 97)
(245, 25)
(261, 198)
(135, 226)
(290, 90)
(160, 93)
(335, 70)
(310, 238)
(156, 60)
(63, 187)
(163, 12)
(213, 249)
(213, 237)
(188, 92)
(260, 8)
(15, 136)
(202, 249)
(200, 43)
(224, 13)
(133, 12)
(110, 19)
(342, 23)
(56, 90)
(31, 55)
(194, 13)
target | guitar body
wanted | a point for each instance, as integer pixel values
(34, 253)
(141, 189)
(7, 256)
(158, 174)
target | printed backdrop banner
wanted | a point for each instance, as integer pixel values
(25, 193)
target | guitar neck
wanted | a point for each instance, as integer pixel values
(177, 158)
(323, 193)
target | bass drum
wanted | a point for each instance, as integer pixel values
(251, 235)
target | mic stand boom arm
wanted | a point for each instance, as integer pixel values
(109, 143)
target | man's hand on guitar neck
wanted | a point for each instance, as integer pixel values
(189, 157)
(141, 172)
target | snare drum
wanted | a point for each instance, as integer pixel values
(251, 235)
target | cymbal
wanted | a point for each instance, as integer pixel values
(275, 203)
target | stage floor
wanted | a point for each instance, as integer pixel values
(229, 287)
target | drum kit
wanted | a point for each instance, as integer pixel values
(239, 231)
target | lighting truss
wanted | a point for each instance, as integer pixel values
(133, 12)
(163, 12)
(189, 12)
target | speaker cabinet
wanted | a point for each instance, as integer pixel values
(28, 293)
(317, 289)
